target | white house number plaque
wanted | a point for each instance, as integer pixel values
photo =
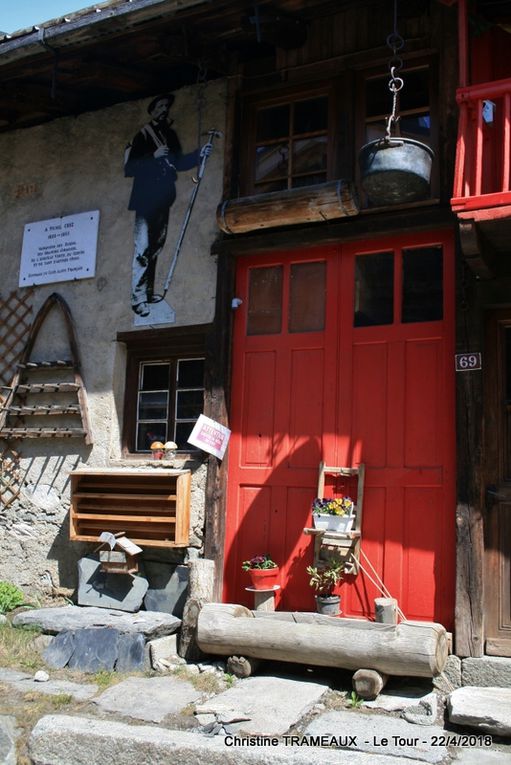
(59, 249)
(468, 362)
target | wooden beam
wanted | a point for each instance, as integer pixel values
(478, 253)
(469, 616)
(216, 407)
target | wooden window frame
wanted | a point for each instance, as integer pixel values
(165, 345)
(257, 101)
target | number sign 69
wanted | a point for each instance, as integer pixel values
(468, 362)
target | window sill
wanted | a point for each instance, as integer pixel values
(181, 461)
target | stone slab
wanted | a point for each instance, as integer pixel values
(66, 740)
(8, 736)
(152, 624)
(450, 679)
(397, 699)
(96, 649)
(60, 650)
(23, 682)
(150, 699)
(489, 672)
(132, 655)
(486, 709)
(123, 592)
(162, 648)
(273, 704)
(481, 756)
(3, 619)
(168, 586)
(381, 734)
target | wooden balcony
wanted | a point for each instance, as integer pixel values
(482, 176)
(482, 172)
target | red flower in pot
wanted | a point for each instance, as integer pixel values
(263, 571)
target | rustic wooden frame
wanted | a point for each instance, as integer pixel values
(152, 507)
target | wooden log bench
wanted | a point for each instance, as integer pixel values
(417, 649)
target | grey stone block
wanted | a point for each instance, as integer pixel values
(168, 586)
(72, 740)
(60, 650)
(152, 624)
(486, 709)
(132, 654)
(95, 649)
(8, 735)
(450, 678)
(489, 672)
(102, 590)
(150, 699)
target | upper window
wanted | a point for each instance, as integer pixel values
(164, 386)
(289, 142)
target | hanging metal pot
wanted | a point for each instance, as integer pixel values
(395, 170)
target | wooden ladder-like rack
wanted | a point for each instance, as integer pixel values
(22, 388)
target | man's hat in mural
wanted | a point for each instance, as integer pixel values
(164, 96)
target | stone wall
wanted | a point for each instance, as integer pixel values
(74, 165)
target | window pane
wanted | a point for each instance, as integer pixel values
(265, 301)
(308, 180)
(311, 115)
(181, 434)
(147, 432)
(189, 404)
(309, 155)
(271, 162)
(422, 284)
(266, 188)
(307, 297)
(374, 289)
(190, 373)
(414, 94)
(418, 127)
(155, 377)
(272, 122)
(153, 406)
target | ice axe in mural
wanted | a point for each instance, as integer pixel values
(153, 160)
(204, 155)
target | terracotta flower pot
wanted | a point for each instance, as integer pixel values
(264, 578)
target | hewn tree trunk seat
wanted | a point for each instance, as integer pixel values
(410, 648)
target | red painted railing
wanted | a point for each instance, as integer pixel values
(482, 171)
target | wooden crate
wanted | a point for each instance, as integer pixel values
(152, 507)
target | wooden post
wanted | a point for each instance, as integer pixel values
(201, 582)
(385, 610)
(242, 666)
(368, 683)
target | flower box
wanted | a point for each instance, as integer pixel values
(264, 578)
(328, 522)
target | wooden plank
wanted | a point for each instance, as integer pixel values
(216, 402)
(126, 496)
(42, 432)
(65, 387)
(127, 518)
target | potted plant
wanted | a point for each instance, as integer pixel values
(324, 577)
(263, 572)
(334, 514)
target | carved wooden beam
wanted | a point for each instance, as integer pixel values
(478, 253)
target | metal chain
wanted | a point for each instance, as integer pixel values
(396, 43)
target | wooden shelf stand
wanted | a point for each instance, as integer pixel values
(152, 507)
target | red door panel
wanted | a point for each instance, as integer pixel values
(317, 387)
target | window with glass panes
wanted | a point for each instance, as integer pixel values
(288, 142)
(169, 402)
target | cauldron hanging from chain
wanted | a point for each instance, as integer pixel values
(395, 170)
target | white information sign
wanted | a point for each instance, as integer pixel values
(59, 249)
(210, 436)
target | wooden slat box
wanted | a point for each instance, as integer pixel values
(151, 506)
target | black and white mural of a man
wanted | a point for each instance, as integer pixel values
(153, 160)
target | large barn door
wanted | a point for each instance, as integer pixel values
(345, 355)
(283, 413)
(497, 521)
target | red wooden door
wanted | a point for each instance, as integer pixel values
(353, 368)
